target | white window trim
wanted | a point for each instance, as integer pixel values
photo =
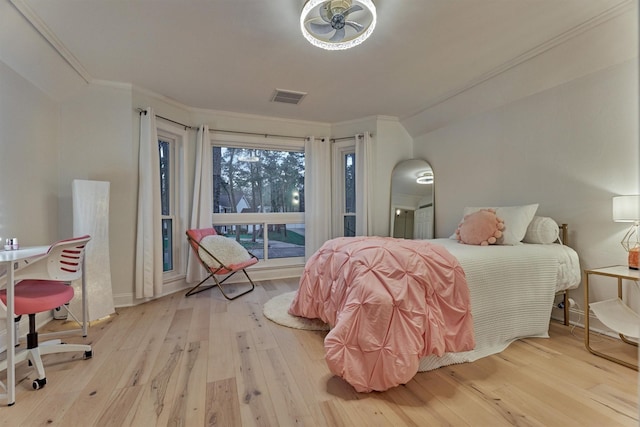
(339, 150)
(253, 141)
(178, 136)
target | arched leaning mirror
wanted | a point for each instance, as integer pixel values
(412, 214)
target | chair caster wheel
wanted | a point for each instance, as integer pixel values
(88, 354)
(39, 383)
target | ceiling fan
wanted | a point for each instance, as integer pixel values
(337, 24)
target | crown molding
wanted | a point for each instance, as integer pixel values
(236, 115)
(51, 38)
(622, 7)
(112, 84)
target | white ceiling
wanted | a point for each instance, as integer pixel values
(231, 55)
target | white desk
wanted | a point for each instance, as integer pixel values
(8, 259)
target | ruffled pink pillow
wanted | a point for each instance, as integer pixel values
(482, 227)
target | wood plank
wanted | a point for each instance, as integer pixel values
(222, 351)
(290, 407)
(222, 406)
(191, 383)
(256, 406)
(121, 410)
(441, 386)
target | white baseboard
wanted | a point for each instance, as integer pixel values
(576, 318)
(257, 275)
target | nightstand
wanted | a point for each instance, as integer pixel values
(614, 311)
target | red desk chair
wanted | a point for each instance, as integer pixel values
(220, 256)
(44, 284)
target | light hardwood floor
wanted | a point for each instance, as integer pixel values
(205, 361)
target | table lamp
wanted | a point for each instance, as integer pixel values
(627, 209)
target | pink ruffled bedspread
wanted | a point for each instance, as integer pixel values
(389, 302)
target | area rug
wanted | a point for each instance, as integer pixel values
(276, 310)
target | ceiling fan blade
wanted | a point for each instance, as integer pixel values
(353, 8)
(324, 11)
(320, 28)
(355, 25)
(339, 35)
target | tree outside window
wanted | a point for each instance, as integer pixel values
(260, 181)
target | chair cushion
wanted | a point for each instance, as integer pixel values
(36, 296)
(227, 250)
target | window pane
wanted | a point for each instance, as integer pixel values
(167, 245)
(165, 177)
(254, 180)
(284, 240)
(349, 226)
(350, 183)
(250, 236)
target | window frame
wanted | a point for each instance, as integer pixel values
(176, 137)
(221, 139)
(340, 149)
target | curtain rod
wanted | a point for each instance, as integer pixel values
(143, 111)
(343, 138)
(266, 135)
(347, 137)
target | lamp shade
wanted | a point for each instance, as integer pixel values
(626, 208)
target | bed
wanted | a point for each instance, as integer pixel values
(506, 292)
(512, 290)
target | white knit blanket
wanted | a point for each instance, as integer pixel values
(512, 291)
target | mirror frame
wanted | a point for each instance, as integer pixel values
(407, 194)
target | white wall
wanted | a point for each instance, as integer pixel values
(569, 144)
(28, 161)
(96, 144)
(28, 166)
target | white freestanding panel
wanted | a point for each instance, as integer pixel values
(91, 216)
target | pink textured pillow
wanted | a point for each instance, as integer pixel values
(482, 227)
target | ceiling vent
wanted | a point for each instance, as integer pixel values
(287, 96)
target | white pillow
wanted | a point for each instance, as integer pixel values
(227, 250)
(516, 220)
(542, 230)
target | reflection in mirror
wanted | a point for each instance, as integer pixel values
(412, 184)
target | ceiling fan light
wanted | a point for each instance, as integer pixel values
(425, 178)
(327, 43)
